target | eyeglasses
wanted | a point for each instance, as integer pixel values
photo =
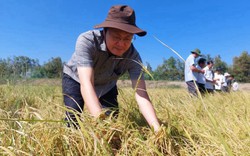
(126, 40)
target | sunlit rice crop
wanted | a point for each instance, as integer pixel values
(32, 123)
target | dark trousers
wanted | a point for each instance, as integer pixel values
(73, 99)
(192, 88)
(224, 89)
(211, 91)
(202, 88)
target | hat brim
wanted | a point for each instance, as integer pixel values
(195, 53)
(122, 26)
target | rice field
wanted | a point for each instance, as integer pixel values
(32, 123)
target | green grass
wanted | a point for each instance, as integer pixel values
(32, 124)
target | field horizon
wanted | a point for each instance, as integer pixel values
(123, 83)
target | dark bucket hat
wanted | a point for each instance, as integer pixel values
(122, 17)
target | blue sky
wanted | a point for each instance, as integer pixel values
(41, 29)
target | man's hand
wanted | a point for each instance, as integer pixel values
(202, 71)
(102, 116)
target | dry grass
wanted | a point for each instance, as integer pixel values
(32, 124)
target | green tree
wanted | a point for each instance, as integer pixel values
(21, 65)
(180, 67)
(150, 70)
(218, 63)
(38, 72)
(3, 67)
(160, 72)
(209, 57)
(241, 67)
(53, 69)
(5, 71)
(16, 67)
(171, 69)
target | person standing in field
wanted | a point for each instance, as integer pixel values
(208, 73)
(201, 80)
(191, 72)
(224, 86)
(229, 81)
(235, 84)
(218, 77)
(99, 59)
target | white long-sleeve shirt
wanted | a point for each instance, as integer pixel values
(209, 76)
(219, 80)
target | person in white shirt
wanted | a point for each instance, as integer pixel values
(224, 86)
(209, 75)
(201, 80)
(191, 71)
(218, 77)
(235, 85)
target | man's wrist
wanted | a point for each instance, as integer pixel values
(155, 124)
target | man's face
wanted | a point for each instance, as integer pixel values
(195, 55)
(118, 41)
(203, 65)
(210, 65)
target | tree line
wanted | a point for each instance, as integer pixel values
(171, 69)
(20, 67)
